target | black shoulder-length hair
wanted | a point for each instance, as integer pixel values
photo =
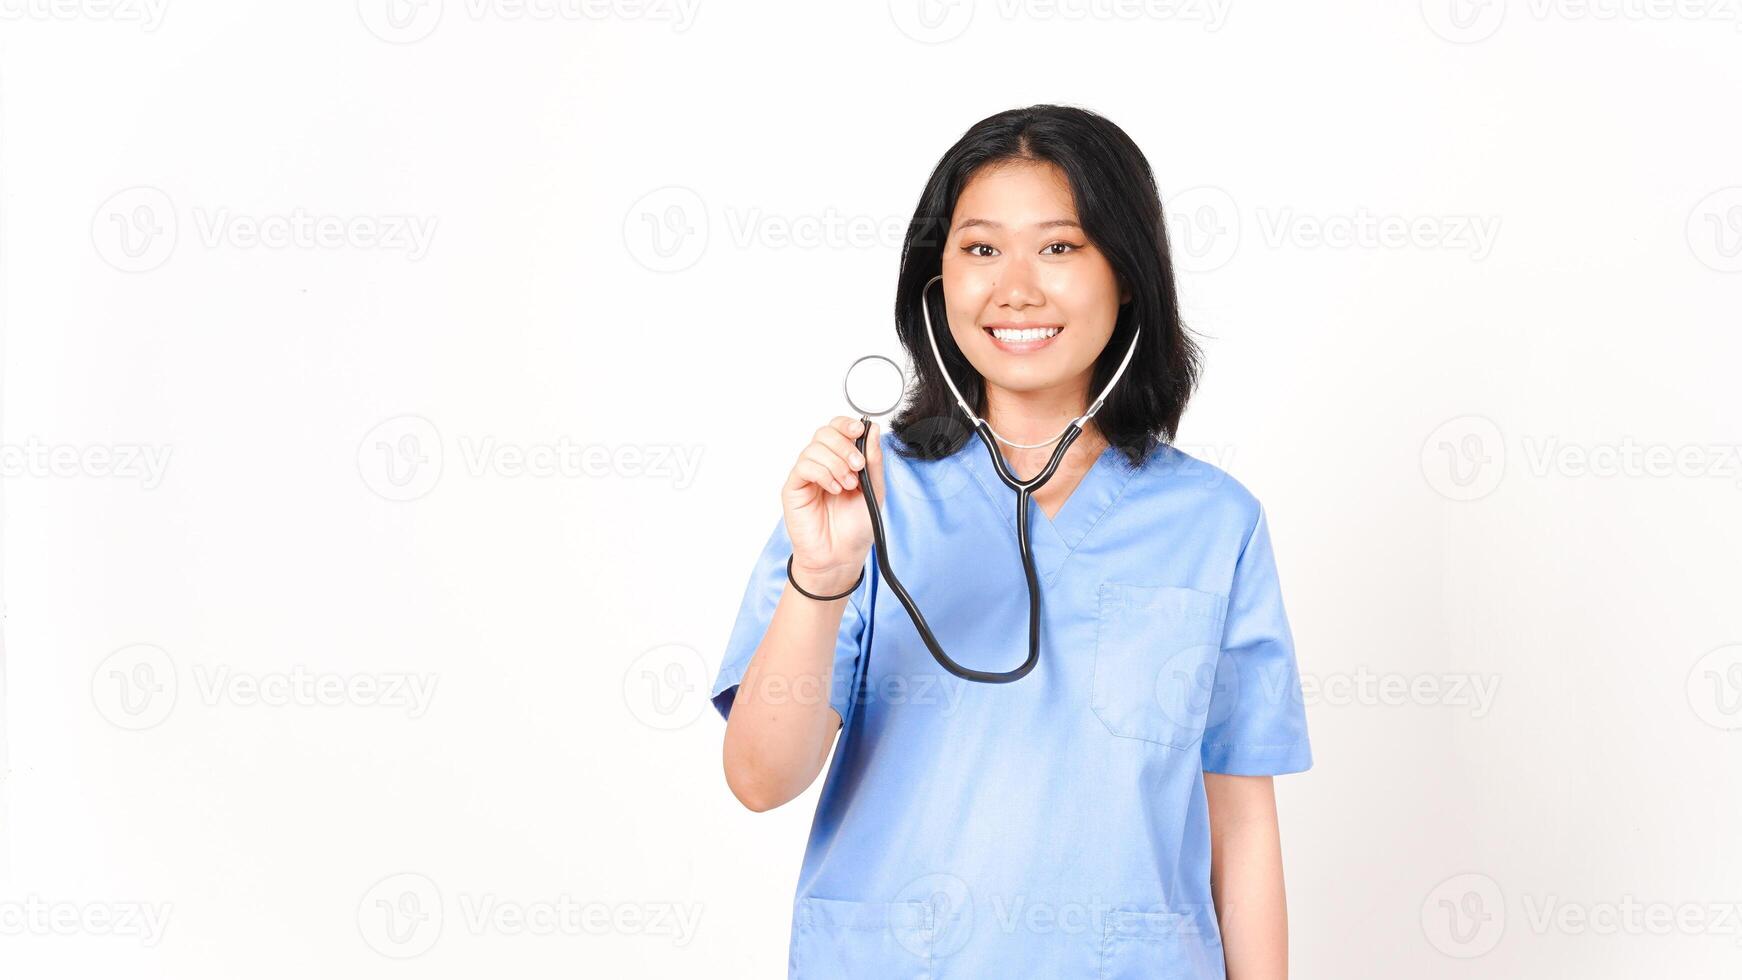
(1120, 211)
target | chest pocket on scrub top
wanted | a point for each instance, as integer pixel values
(1156, 654)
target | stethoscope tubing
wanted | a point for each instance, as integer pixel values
(1024, 494)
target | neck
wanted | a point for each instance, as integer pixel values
(1031, 416)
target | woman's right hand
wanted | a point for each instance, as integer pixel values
(824, 506)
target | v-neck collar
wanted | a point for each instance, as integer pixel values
(1054, 538)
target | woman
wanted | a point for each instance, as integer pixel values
(1111, 813)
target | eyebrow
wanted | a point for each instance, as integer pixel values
(989, 223)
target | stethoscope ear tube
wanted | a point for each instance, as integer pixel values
(1024, 492)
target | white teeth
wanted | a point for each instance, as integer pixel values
(1018, 336)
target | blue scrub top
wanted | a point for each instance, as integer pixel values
(1055, 826)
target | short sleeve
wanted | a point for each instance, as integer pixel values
(1257, 718)
(756, 611)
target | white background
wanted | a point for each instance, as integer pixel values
(1467, 439)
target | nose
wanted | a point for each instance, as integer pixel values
(1017, 286)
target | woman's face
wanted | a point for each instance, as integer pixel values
(1017, 260)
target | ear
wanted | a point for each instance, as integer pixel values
(1124, 294)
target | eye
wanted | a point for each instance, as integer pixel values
(979, 255)
(1068, 245)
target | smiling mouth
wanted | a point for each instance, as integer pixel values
(1021, 340)
(1026, 333)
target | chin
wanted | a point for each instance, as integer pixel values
(1026, 382)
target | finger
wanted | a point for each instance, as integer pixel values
(837, 466)
(847, 425)
(811, 471)
(842, 446)
(802, 476)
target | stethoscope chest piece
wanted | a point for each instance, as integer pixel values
(874, 386)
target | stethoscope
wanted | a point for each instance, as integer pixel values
(1024, 492)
